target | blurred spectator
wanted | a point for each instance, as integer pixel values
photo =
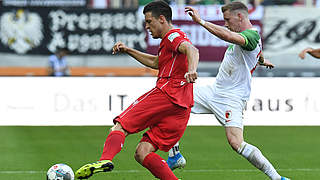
(58, 64)
(302, 2)
(281, 2)
(99, 4)
(144, 2)
(130, 3)
(254, 3)
(102, 4)
(208, 2)
(205, 2)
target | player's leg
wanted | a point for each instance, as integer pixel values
(168, 129)
(146, 156)
(175, 158)
(114, 142)
(112, 147)
(201, 96)
(134, 119)
(250, 152)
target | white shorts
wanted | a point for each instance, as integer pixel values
(228, 111)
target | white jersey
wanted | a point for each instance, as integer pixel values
(227, 97)
(234, 76)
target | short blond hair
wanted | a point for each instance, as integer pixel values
(235, 6)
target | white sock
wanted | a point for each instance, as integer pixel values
(174, 150)
(255, 157)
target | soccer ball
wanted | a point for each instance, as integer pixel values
(60, 172)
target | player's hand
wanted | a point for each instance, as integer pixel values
(193, 13)
(267, 64)
(302, 54)
(191, 77)
(119, 47)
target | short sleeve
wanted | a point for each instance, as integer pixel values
(252, 39)
(51, 58)
(174, 39)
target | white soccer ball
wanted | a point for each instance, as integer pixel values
(60, 172)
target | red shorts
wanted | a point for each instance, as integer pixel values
(166, 121)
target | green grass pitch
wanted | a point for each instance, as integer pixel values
(26, 153)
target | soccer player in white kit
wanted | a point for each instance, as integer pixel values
(226, 97)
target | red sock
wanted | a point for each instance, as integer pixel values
(158, 167)
(113, 145)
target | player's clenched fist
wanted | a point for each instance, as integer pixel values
(119, 47)
(194, 14)
(191, 77)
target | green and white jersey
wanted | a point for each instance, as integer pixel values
(234, 76)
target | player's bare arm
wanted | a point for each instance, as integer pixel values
(193, 60)
(219, 31)
(144, 58)
(313, 52)
(265, 62)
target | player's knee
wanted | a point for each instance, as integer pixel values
(234, 143)
(235, 137)
(142, 150)
(118, 127)
(138, 157)
(140, 154)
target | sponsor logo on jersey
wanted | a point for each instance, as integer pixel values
(172, 36)
(231, 47)
(228, 115)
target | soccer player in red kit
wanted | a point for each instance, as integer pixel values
(165, 109)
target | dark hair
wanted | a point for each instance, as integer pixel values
(59, 49)
(233, 6)
(158, 8)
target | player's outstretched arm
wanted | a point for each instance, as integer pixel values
(219, 31)
(313, 52)
(144, 58)
(193, 60)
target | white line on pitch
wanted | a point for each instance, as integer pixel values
(186, 171)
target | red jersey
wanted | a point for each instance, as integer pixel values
(173, 65)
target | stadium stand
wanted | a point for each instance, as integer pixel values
(287, 65)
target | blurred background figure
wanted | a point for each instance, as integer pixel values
(104, 4)
(221, 2)
(284, 2)
(206, 2)
(99, 4)
(313, 52)
(144, 2)
(58, 64)
(130, 3)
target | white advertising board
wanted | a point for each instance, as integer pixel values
(97, 100)
(289, 30)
